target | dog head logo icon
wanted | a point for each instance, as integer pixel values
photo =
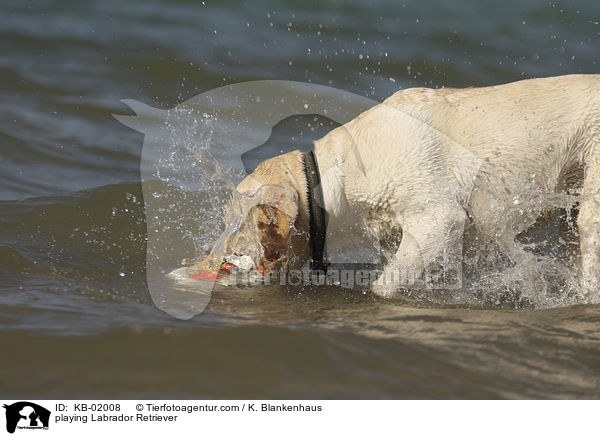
(25, 414)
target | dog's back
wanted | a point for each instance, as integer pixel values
(517, 128)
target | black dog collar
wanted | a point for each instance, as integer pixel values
(317, 214)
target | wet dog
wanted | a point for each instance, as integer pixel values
(419, 166)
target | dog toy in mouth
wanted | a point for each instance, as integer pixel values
(203, 267)
(226, 268)
(241, 263)
(213, 268)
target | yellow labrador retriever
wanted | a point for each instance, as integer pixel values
(425, 161)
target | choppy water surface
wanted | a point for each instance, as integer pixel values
(73, 230)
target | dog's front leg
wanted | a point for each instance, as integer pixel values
(588, 223)
(429, 254)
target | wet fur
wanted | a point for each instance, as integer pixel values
(429, 162)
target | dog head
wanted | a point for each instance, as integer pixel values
(260, 224)
(267, 219)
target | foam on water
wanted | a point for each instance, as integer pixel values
(535, 269)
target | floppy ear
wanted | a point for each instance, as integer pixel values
(274, 218)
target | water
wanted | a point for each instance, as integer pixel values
(73, 234)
